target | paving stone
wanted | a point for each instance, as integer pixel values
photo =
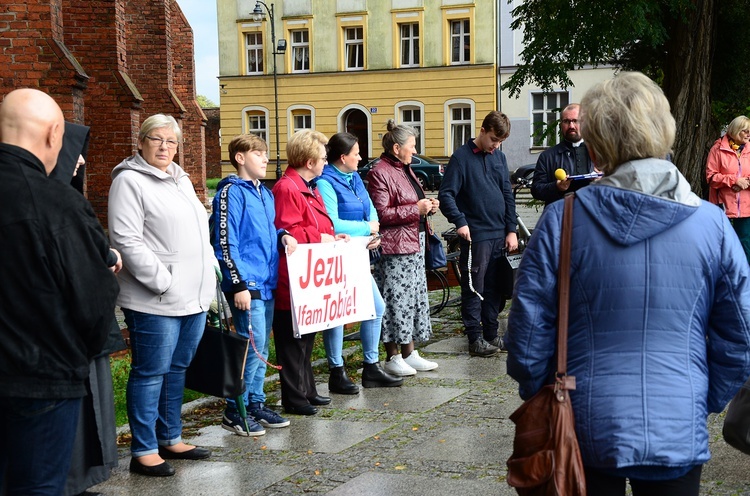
(206, 477)
(304, 434)
(400, 399)
(374, 484)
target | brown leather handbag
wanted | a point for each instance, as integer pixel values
(546, 459)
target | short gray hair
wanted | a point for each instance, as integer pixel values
(626, 118)
(158, 121)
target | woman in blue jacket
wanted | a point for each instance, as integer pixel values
(352, 212)
(659, 328)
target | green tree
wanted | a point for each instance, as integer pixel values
(205, 102)
(694, 48)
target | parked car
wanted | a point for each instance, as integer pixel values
(429, 171)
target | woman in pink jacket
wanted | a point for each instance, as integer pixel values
(728, 176)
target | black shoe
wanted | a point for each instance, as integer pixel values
(301, 410)
(318, 400)
(193, 454)
(482, 348)
(339, 382)
(161, 470)
(374, 376)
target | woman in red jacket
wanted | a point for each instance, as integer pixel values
(728, 176)
(301, 212)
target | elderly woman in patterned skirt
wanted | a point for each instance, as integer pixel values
(400, 272)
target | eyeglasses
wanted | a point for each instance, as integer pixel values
(568, 122)
(171, 144)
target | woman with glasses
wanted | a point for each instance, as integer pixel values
(167, 283)
(728, 176)
(300, 212)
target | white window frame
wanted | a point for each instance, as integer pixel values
(294, 111)
(548, 115)
(400, 117)
(302, 47)
(413, 44)
(449, 106)
(264, 133)
(357, 44)
(460, 38)
(259, 53)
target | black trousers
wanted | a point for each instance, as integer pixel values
(600, 484)
(297, 379)
(480, 316)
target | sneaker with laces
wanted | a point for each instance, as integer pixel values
(482, 348)
(418, 363)
(236, 425)
(397, 366)
(266, 417)
(498, 343)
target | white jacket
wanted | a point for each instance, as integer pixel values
(161, 229)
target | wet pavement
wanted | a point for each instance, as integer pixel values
(444, 432)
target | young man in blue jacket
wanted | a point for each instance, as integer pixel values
(477, 197)
(247, 244)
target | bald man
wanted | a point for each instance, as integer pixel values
(58, 297)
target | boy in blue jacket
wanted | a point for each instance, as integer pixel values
(247, 244)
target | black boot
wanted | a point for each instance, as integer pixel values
(338, 382)
(374, 376)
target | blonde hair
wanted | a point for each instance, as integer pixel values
(158, 121)
(245, 143)
(739, 123)
(626, 118)
(303, 146)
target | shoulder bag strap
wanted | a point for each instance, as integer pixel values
(563, 285)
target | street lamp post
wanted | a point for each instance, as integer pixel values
(277, 49)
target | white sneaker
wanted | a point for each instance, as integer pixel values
(397, 366)
(418, 363)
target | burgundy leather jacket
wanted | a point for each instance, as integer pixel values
(395, 200)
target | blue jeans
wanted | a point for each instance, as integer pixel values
(260, 321)
(36, 441)
(162, 348)
(369, 332)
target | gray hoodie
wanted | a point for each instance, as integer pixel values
(161, 229)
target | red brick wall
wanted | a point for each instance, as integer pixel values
(95, 33)
(213, 142)
(109, 64)
(194, 120)
(33, 54)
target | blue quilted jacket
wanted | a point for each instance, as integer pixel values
(659, 332)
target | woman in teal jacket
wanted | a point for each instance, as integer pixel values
(659, 328)
(352, 212)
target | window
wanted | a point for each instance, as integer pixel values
(409, 45)
(302, 121)
(460, 41)
(411, 114)
(254, 49)
(354, 44)
(256, 124)
(545, 114)
(300, 50)
(460, 123)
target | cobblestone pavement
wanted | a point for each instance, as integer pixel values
(444, 432)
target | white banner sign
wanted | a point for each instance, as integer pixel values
(330, 285)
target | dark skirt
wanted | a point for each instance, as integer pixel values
(95, 449)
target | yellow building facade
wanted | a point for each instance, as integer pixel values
(350, 65)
